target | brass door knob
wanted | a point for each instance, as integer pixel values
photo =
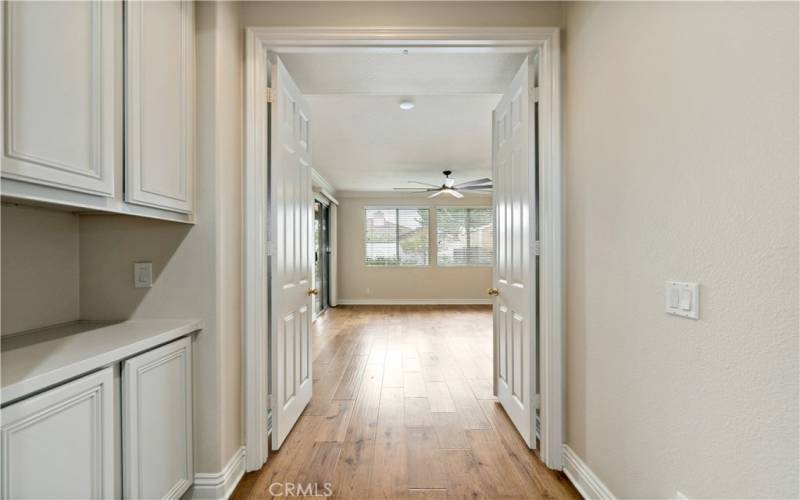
(494, 292)
(313, 291)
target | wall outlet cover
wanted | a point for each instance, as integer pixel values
(143, 274)
(682, 299)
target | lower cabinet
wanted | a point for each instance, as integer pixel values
(72, 441)
(157, 422)
(61, 443)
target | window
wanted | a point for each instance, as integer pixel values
(465, 236)
(396, 237)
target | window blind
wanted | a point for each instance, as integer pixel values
(396, 236)
(465, 236)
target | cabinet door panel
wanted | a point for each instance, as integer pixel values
(60, 444)
(157, 422)
(159, 169)
(60, 78)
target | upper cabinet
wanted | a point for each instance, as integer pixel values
(84, 82)
(159, 103)
(60, 116)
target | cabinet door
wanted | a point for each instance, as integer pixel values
(61, 117)
(157, 422)
(60, 444)
(159, 49)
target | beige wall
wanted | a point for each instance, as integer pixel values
(682, 164)
(402, 14)
(403, 283)
(39, 268)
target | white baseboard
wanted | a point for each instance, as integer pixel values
(586, 482)
(411, 302)
(220, 485)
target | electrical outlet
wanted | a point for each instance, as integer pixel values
(143, 274)
(368, 291)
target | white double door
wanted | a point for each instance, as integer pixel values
(515, 315)
(291, 261)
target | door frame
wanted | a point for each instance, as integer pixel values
(545, 40)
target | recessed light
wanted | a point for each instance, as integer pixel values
(406, 104)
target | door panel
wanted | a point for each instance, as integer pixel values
(159, 104)
(61, 443)
(157, 422)
(515, 272)
(291, 265)
(61, 82)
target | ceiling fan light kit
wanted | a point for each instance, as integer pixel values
(450, 187)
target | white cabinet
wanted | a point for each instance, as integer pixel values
(157, 422)
(62, 442)
(62, 115)
(159, 104)
(84, 81)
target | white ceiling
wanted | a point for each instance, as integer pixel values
(367, 143)
(413, 73)
(362, 141)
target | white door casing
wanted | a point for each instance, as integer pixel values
(159, 104)
(515, 320)
(290, 265)
(61, 116)
(544, 41)
(61, 443)
(157, 422)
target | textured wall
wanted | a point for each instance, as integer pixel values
(423, 283)
(682, 164)
(39, 268)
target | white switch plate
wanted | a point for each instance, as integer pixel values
(143, 274)
(682, 299)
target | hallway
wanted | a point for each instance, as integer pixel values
(403, 408)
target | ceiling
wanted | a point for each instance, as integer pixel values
(413, 73)
(362, 141)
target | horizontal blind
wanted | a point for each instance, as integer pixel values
(396, 236)
(465, 236)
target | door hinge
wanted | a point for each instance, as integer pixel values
(270, 248)
(535, 94)
(270, 95)
(537, 248)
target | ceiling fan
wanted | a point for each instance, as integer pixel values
(450, 187)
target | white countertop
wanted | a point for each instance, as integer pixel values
(39, 359)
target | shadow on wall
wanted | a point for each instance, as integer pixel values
(109, 246)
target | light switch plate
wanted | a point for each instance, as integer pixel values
(682, 299)
(143, 274)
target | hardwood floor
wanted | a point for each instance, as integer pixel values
(403, 408)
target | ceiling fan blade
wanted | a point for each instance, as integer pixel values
(417, 190)
(485, 186)
(424, 183)
(474, 182)
(437, 193)
(454, 193)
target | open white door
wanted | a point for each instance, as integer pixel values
(515, 319)
(290, 265)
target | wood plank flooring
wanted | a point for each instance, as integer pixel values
(403, 409)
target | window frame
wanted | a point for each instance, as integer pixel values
(431, 252)
(494, 239)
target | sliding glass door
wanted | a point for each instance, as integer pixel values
(322, 255)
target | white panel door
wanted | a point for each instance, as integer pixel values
(61, 90)
(290, 266)
(159, 104)
(515, 272)
(61, 443)
(157, 422)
